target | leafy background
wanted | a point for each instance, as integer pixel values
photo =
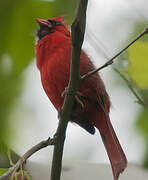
(17, 30)
(137, 70)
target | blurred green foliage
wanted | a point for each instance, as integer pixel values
(138, 67)
(138, 72)
(2, 171)
(17, 30)
(18, 175)
(142, 124)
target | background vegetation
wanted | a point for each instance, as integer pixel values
(17, 30)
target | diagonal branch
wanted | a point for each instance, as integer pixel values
(111, 60)
(131, 87)
(23, 159)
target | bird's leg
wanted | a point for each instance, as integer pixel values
(77, 97)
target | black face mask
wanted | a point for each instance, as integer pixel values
(45, 30)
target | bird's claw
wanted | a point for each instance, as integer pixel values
(64, 92)
(77, 97)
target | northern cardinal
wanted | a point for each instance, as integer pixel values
(92, 103)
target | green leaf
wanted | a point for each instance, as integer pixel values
(3, 171)
(27, 175)
(19, 173)
(9, 156)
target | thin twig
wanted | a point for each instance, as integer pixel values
(111, 60)
(23, 159)
(78, 29)
(131, 87)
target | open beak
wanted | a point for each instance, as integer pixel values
(43, 22)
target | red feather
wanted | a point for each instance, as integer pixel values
(53, 54)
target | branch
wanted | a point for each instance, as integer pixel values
(78, 29)
(23, 159)
(111, 60)
(131, 87)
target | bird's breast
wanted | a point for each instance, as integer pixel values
(55, 75)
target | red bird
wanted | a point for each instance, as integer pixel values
(92, 103)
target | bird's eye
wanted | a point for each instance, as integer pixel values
(58, 23)
(54, 23)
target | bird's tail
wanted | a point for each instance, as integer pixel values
(114, 150)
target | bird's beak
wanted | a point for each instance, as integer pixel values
(43, 22)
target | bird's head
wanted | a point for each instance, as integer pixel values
(50, 26)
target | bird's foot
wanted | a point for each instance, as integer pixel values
(77, 97)
(64, 92)
(79, 101)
